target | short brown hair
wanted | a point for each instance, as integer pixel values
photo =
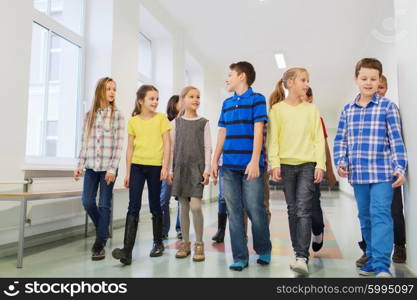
(247, 68)
(369, 63)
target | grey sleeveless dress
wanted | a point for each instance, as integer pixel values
(188, 164)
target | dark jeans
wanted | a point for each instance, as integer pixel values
(99, 215)
(299, 192)
(240, 195)
(138, 175)
(221, 203)
(317, 214)
(398, 218)
(165, 197)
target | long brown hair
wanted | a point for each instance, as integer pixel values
(278, 94)
(99, 96)
(172, 110)
(140, 95)
(184, 93)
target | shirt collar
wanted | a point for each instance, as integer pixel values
(248, 92)
(375, 99)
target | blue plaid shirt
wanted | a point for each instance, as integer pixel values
(369, 141)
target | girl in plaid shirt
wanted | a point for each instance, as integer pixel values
(101, 147)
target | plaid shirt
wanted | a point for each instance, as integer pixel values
(369, 141)
(104, 147)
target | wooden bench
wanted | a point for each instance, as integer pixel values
(25, 197)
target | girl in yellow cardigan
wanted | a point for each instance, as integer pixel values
(296, 152)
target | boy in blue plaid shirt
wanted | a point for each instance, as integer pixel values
(369, 150)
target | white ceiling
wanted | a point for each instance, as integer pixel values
(325, 36)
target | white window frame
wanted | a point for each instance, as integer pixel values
(54, 27)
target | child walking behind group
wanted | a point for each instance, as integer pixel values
(369, 150)
(191, 154)
(297, 155)
(147, 160)
(102, 143)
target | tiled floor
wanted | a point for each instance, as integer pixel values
(71, 258)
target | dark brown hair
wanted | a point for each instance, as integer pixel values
(247, 68)
(140, 95)
(309, 93)
(369, 63)
(172, 111)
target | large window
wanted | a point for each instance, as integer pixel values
(54, 91)
(67, 12)
(145, 59)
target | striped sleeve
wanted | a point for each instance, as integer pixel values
(259, 110)
(222, 122)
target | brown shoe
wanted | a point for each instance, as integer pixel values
(199, 251)
(399, 255)
(184, 250)
(363, 260)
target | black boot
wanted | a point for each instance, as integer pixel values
(131, 227)
(219, 236)
(158, 246)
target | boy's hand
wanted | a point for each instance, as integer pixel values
(318, 175)
(400, 180)
(252, 170)
(206, 177)
(214, 172)
(126, 181)
(170, 179)
(109, 178)
(77, 174)
(276, 174)
(342, 171)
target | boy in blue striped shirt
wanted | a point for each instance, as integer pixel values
(370, 151)
(240, 139)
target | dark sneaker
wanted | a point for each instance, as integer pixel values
(363, 260)
(179, 235)
(98, 252)
(164, 237)
(317, 243)
(400, 255)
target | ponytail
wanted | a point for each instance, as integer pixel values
(278, 94)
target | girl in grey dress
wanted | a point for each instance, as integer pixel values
(190, 157)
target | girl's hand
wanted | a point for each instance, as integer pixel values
(77, 174)
(164, 174)
(127, 181)
(400, 180)
(170, 179)
(276, 174)
(342, 171)
(252, 170)
(214, 172)
(109, 178)
(318, 175)
(206, 177)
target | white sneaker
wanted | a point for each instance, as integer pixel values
(300, 266)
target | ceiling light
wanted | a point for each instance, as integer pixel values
(280, 60)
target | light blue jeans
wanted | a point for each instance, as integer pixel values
(374, 206)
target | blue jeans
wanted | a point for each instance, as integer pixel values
(240, 195)
(374, 206)
(99, 215)
(165, 197)
(299, 192)
(221, 203)
(138, 175)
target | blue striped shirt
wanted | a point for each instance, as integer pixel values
(369, 141)
(239, 115)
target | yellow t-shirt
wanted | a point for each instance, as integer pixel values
(148, 145)
(295, 135)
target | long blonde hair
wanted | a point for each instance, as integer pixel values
(278, 94)
(184, 93)
(99, 96)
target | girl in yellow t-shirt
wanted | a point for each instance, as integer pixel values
(147, 159)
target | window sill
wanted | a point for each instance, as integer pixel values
(46, 164)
